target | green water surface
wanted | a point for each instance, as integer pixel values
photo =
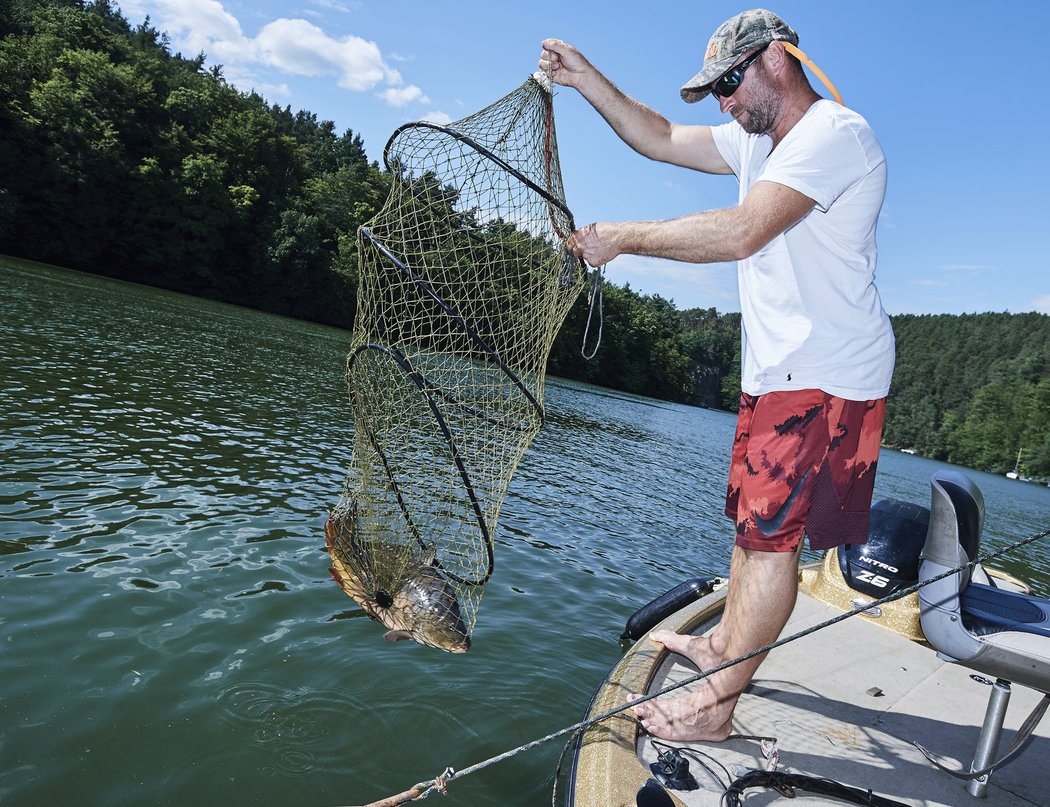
(169, 633)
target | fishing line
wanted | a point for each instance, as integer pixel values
(440, 783)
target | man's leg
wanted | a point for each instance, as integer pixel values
(761, 597)
(781, 438)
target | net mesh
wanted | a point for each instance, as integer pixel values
(464, 283)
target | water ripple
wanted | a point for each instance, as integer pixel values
(299, 728)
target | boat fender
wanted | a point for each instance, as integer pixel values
(653, 613)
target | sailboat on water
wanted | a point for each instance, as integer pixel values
(1015, 473)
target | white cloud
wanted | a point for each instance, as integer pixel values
(300, 47)
(203, 25)
(926, 281)
(439, 118)
(269, 90)
(400, 96)
(1041, 304)
(294, 46)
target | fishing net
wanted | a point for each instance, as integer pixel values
(464, 283)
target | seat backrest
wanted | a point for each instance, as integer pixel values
(953, 539)
(956, 520)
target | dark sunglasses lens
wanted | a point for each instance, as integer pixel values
(727, 85)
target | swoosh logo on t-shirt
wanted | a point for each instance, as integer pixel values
(769, 526)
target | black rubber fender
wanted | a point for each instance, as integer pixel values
(653, 613)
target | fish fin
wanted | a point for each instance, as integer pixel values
(336, 543)
(338, 578)
(341, 577)
(338, 534)
(430, 555)
(397, 635)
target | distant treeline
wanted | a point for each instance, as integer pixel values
(120, 157)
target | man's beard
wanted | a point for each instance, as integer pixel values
(759, 116)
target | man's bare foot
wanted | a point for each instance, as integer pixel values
(689, 718)
(700, 650)
(704, 714)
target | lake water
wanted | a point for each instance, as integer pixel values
(169, 633)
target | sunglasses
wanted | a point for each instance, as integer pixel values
(731, 81)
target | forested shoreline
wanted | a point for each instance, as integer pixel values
(122, 158)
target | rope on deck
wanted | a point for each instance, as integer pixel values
(440, 783)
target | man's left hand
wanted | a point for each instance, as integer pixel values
(596, 243)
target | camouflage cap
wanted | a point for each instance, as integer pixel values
(747, 31)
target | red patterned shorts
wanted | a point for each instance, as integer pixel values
(803, 461)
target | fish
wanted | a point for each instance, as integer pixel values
(420, 605)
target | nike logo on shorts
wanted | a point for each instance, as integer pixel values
(770, 526)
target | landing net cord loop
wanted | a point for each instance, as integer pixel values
(594, 293)
(442, 781)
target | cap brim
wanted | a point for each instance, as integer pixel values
(699, 86)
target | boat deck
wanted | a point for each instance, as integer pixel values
(845, 703)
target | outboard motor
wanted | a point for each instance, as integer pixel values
(889, 561)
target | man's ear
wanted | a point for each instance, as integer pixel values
(776, 57)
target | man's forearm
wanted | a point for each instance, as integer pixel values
(712, 236)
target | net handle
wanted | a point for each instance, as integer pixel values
(480, 149)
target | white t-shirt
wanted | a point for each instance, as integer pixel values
(811, 315)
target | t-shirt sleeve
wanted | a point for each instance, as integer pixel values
(822, 164)
(728, 143)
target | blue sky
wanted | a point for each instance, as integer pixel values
(954, 91)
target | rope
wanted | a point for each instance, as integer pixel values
(440, 782)
(595, 292)
(1020, 738)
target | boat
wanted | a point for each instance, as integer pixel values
(955, 668)
(1016, 472)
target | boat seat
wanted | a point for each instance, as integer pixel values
(1001, 634)
(993, 631)
(987, 610)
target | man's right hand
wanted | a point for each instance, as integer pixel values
(562, 62)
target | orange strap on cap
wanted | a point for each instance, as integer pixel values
(809, 63)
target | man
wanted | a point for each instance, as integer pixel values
(817, 347)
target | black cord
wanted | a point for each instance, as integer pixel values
(698, 756)
(787, 783)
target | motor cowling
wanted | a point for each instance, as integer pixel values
(889, 561)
